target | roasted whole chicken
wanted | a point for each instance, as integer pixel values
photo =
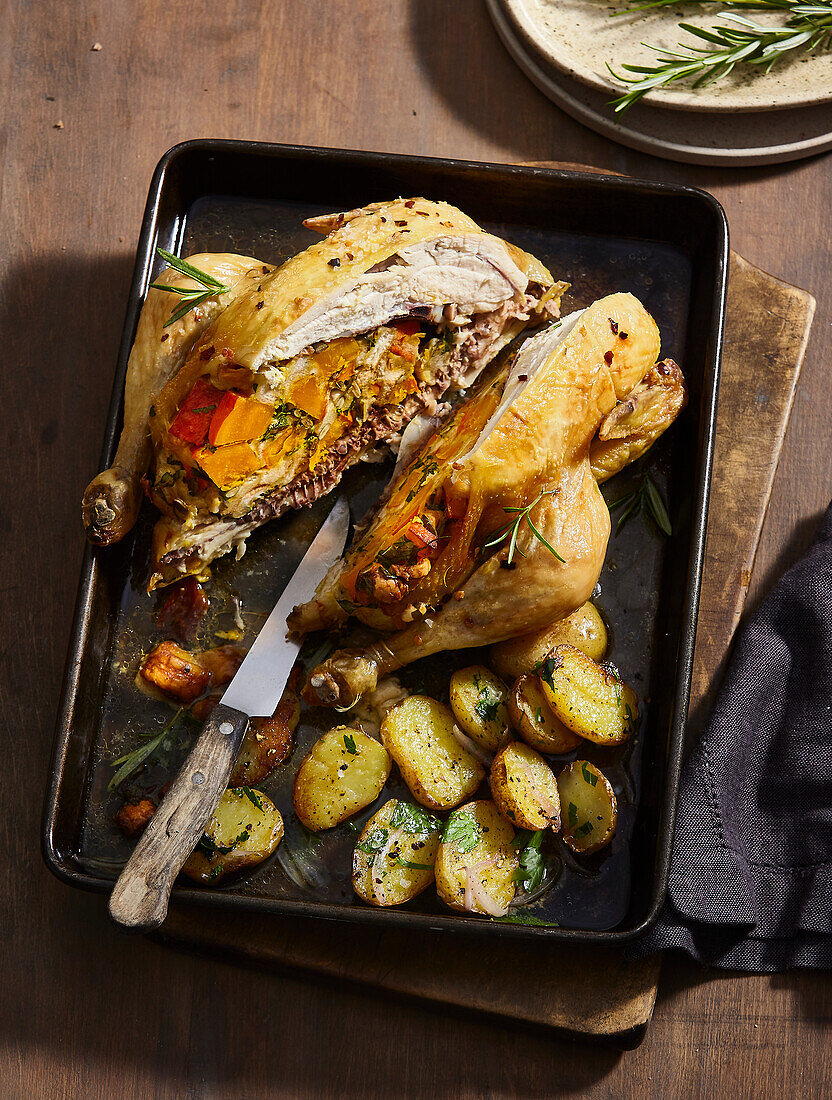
(263, 396)
(497, 526)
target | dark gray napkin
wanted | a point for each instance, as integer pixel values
(751, 874)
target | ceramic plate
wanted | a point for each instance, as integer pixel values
(579, 38)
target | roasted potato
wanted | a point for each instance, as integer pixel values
(591, 699)
(245, 829)
(535, 721)
(476, 862)
(478, 700)
(589, 808)
(524, 788)
(418, 734)
(394, 856)
(584, 629)
(268, 741)
(343, 772)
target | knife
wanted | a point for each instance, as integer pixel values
(140, 896)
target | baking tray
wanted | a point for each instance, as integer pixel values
(665, 243)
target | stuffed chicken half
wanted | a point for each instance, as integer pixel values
(497, 527)
(303, 370)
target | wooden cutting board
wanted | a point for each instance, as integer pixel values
(587, 991)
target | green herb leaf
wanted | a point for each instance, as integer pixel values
(374, 842)
(589, 777)
(349, 744)
(251, 795)
(584, 829)
(414, 819)
(512, 529)
(532, 865)
(572, 814)
(462, 831)
(414, 866)
(518, 916)
(132, 761)
(808, 27)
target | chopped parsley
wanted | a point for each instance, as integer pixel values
(251, 795)
(414, 866)
(572, 814)
(589, 778)
(584, 829)
(414, 819)
(208, 846)
(374, 842)
(487, 705)
(349, 744)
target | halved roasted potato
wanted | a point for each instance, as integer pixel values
(591, 699)
(590, 811)
(478, 700)
(245, 829)
(524, 788)
(584, 629)
(535, 721)
(394, 856)
(342, 773)
(476, 861)
(418, 734)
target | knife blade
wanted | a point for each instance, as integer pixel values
(140, 896)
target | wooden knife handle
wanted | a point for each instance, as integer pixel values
(140, 896)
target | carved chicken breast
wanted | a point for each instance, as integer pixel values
(322, 360)
(498, 526)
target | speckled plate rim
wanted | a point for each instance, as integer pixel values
(570, 100)
(541, 46)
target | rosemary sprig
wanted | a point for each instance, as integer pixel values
(131, 761)
(512, 529)
(645, 497)
(191, 296)
(808, 27)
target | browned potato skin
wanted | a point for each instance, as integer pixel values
(498, 879)
(402, 883)
(470, 687)
(520, 781)
(589, 698)
(548, 734)
(412, 727)
(268, 741)
(584, 629)
(596, 805)
(322, 794)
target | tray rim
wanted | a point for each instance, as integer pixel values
(90, 564)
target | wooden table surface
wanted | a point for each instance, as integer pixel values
(84, 1011)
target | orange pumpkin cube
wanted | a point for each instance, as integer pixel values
(226, 466)
(238, 419)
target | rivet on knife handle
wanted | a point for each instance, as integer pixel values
(140, 896)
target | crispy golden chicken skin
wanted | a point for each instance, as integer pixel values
(502, 504)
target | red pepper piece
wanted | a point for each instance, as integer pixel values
(194, 416)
